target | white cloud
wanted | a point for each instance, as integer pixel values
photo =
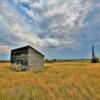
(37, 5)
(58, 19)
(70, 12)
(58, 42)
(4, 48)
(26, 1)
(19, 30)
(34, 16)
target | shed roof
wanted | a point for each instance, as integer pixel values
(26, 47)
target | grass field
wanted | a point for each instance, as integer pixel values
(67, 80)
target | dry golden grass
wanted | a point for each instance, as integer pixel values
(79, 80)
(4, 64)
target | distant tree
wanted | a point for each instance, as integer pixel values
(54, 60)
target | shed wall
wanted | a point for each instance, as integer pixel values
(19, 59)
(36, 61)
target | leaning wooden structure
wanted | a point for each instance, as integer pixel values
(27, 58)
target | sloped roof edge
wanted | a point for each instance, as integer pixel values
(28, 46)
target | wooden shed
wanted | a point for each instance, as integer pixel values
(26, 58)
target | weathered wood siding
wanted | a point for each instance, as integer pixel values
(27, 58)
(35, 60)
(19, 55)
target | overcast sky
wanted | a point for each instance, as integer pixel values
(57, 28)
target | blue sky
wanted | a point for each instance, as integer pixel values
(58, 28)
